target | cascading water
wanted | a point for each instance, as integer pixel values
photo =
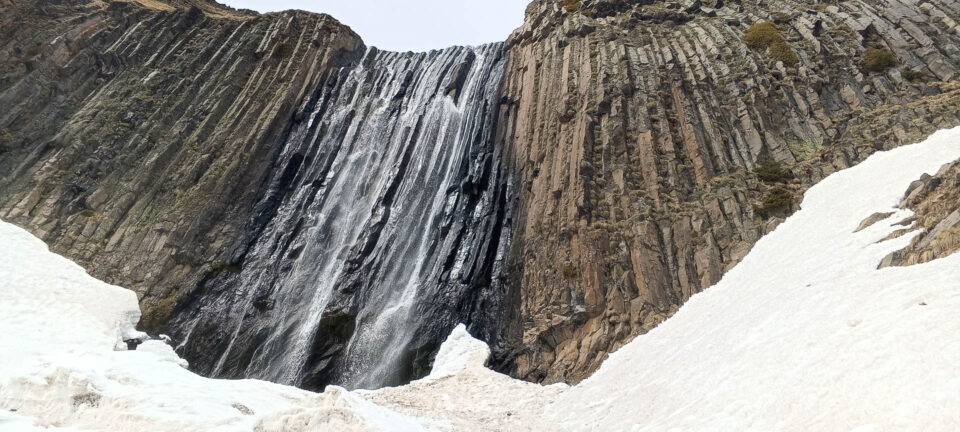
(387, 227)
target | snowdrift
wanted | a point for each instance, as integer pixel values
(804, 334)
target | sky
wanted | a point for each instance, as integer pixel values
(412, 25)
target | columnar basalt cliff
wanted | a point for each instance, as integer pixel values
(658, 141)
(292, 205)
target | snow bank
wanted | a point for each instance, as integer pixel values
(804, 334)
(64, 364)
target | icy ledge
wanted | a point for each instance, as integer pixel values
(804, 334)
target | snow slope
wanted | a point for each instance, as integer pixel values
(60, 331)
(804, 334)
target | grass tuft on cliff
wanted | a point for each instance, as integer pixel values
(773, 172)
(766, 36)
(778, 199)
(780, 51)
(878, 60)
(912, 75)
(762, 35)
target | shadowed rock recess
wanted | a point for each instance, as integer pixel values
(292, 205)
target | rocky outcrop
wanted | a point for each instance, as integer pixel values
(645, 133)
(935, 201)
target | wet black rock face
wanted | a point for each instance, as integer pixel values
(387, 228)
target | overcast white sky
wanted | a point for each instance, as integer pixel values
(412, 25)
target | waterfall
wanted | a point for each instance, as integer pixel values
(384, 229)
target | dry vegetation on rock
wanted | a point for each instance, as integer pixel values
(766, 36)
(878, 60)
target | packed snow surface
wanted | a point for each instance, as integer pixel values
(804, 334)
